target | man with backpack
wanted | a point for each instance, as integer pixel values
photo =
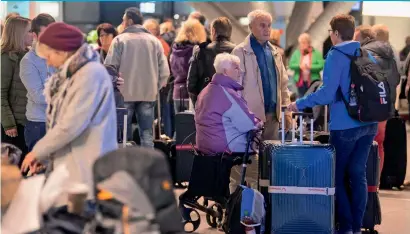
(354, 88)
(202, 68)
(385, 58)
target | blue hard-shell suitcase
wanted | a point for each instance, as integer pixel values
(301, 186)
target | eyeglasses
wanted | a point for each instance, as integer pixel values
(330, 31)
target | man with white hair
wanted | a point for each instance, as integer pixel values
(265, 80)
(222, 118)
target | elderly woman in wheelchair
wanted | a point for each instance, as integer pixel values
(226, 130)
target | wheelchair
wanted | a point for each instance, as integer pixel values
(210, 178)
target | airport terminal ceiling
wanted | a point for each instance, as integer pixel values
(87, 15)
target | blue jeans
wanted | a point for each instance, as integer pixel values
(144, 111)
(33, 132)
(352, 150)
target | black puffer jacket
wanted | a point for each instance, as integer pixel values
(384, 55)
(202, 65)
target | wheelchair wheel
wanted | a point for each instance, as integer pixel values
(205, 203)
(212, 221)
(193, 221)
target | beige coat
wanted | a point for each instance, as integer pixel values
(252, 83)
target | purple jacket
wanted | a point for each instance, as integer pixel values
(180, 56)
(222, 117)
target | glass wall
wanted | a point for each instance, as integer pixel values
(52, 8)
(30, 9)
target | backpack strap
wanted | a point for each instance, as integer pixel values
(339, 90)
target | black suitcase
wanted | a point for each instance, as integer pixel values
(185, 137)
(395, 154)
(372, 215)
(168, 148)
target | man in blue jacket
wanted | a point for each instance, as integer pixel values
(352, 139)
(34, 73)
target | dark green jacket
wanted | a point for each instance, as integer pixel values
(13, 92)
(316, 65)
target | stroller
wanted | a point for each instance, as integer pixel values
(134, 194)
(210, 177)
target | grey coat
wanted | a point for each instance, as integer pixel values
(84, 124)
(140, 58)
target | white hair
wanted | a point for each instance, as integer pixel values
(304, 36)
(258, 14)
(225, 61)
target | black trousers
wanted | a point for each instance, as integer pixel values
(18, 141)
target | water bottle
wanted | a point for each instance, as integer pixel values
(248, 220)
(353, 96)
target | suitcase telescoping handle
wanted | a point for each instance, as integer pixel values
(325, 119)
(301, 115)
(295, 114)
(282, 113)
(159, 114)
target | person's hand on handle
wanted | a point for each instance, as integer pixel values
(259, 125)
(120, 81)
(30, 162)
(12, 132)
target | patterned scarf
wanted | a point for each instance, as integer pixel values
(57, 85)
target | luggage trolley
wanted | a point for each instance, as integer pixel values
(210, 179)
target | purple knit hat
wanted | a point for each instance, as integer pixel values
(61, 36)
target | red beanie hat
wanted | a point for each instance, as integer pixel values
(61, 36)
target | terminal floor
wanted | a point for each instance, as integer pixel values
(395, 209)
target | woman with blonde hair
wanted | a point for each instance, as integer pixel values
(307, 63)
(15, 41)
(81, 117)
(191, 33)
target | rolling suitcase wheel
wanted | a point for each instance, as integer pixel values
(212, 221)
(371, 231)
(206, 202)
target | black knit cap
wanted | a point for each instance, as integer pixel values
(63, 37)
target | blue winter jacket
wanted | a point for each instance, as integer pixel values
(336, 74)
